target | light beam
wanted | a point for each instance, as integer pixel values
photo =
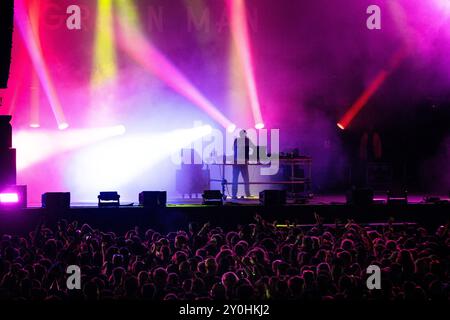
(35, 102)
(135, 43)
(106, 166)
(373, 87)
(239, 30)
(34, 49)
(36, 146)
(104, 64)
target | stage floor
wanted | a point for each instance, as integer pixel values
(180, 212)
(316, 200)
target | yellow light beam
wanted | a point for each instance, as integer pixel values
(104, 64)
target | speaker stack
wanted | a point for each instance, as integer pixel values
(11, 194)
(6, 29)
(7, 153)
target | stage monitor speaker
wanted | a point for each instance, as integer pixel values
(56, 200)
(6, 29)
(5, 132)
(360, 197)
(8, 174)
(212, 197)
(272, 197)
(153, 199)
(7, 153)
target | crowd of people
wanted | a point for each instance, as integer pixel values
(259, 261)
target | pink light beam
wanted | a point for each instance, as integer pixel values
(239, 30)
(144, 53)
(34, 49)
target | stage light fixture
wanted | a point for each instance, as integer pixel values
(13, 196)
(9, 198)
(397, 197)
(259, 126)
(108, 199)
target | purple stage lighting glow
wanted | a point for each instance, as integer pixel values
(444, 5)
(109, 167)
(135, 43)
(33, 46)
(36, 146)
(6, 198)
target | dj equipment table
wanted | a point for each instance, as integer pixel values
(293, 179)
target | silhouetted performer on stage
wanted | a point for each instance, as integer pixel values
(242, 146)
(370, 150)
